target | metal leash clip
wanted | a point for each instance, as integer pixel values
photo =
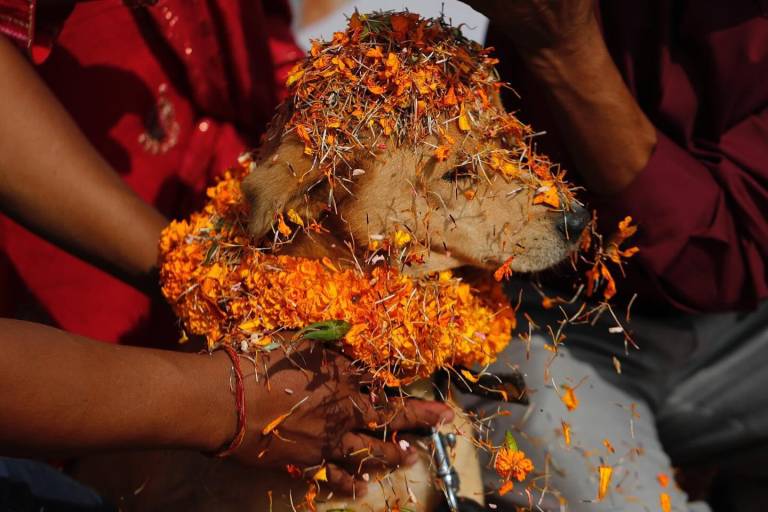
(444, 467)
(441, 456)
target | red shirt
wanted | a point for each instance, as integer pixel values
(699, 70)
(169, 95)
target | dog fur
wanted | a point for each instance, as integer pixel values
(398, 187)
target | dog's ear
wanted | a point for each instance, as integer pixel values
(281, 180)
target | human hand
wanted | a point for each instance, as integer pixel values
(332, 421)
(540, 25)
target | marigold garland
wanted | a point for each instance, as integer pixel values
(226, 289)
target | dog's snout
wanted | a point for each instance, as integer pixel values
(573, 222)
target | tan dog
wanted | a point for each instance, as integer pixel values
(461, 216)
(395, 189)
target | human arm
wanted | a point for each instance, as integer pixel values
(699, 200)
(55, 183)
(607, 134)
(66, 395)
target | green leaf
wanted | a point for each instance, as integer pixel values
(510, 442)
(330, 330)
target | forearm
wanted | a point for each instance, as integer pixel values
(55, 183)
(66, 395)
(607, 134)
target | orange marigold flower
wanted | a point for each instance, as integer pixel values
(512, 464)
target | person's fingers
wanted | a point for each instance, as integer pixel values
(405, 414)
(358, 452)
(342, 482)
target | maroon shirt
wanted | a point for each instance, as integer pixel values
(699, 70)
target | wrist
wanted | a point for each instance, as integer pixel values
(207, 413)
(574, 57)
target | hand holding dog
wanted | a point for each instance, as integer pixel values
(609, 138)
(329, 419)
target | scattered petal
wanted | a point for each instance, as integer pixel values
(470, 376)
(506, 487)
(566, 432)
(666, 503)
(321, 475)
(464, 120)
(441, 153)
(293, 470)
(504, 271)
(569, 397)
(604, 477)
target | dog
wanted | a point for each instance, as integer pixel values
(454, 193)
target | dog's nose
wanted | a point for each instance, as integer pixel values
(573, 222)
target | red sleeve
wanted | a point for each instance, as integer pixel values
(703, 219)
(285, 52)
(17, 20)
(22, 22)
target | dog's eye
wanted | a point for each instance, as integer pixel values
(457, 173)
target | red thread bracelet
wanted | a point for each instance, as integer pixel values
(242, 421)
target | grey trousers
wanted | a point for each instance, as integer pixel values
(693, 392)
